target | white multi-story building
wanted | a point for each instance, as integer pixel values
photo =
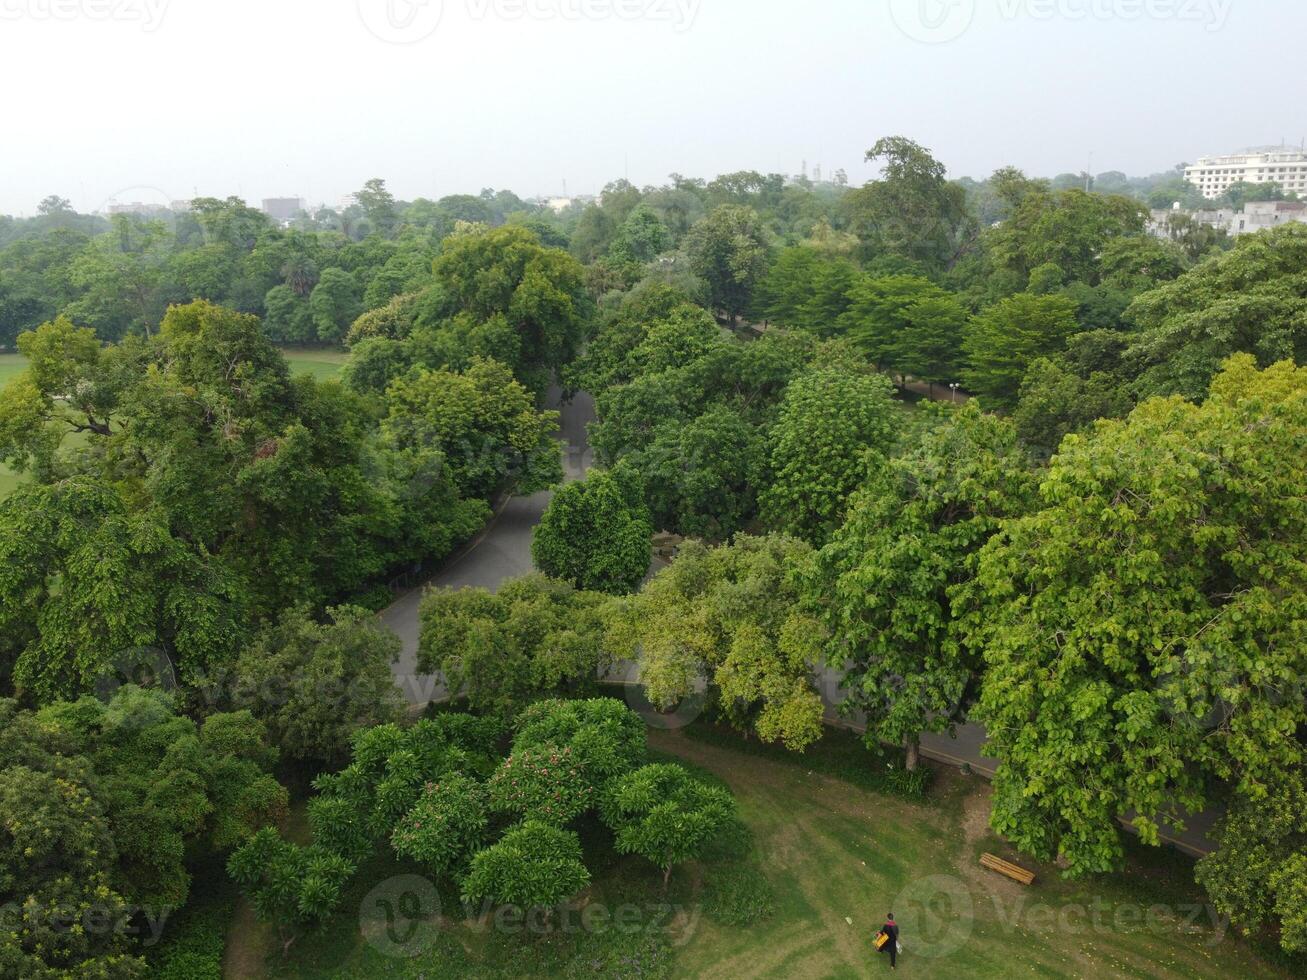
(1279, 165)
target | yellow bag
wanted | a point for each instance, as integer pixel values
(881, 939)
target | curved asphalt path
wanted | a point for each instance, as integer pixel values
(503, 551)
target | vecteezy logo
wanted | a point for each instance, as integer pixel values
(933, 21)
(937, 912)
(401, 916)
(401, 21)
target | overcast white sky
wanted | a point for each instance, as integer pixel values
(161, 99)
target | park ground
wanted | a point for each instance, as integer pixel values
(828, 858)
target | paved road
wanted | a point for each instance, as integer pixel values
(502, 551)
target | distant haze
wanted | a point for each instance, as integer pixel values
(162, 99)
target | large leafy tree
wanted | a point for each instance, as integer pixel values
(730, 615)
(85, 581)
(291, 886)
(664, 814)
(595, 533)
(728, 249)
(1003, 341)
(482, 422)
(1066, 229)
(502, 649)
(1252, 299)
(541, 292)
(913, 211)
(57, 860)
(171, 790)
(906, 323)
(1070, 390)
(1143, 634)
(887, 583)
(534, 865)
(315, 683)
(829, 420)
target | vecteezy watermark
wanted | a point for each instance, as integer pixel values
(401, 916)
(933, 21)
(679, 922)
(410, 21)
(148, 14)
(401, 21)
(940, 21)
(937, 915)
(142, 922)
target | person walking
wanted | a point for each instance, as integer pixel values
(891, 931)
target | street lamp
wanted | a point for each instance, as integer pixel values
(955, 386)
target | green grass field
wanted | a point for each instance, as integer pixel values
(322, 364)
(829, 859)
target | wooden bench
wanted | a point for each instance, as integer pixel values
(995, 863)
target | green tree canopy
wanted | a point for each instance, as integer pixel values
(887, 583)
(1143, 631)
(595, 533)
(730, 616)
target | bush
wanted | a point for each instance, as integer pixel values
(193, 943)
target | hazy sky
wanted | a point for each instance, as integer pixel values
(161, 99)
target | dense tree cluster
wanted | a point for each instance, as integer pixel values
(1100, 557)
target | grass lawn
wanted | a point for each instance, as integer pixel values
(827, 859)
(323, 364)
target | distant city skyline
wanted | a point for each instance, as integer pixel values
(312, 99)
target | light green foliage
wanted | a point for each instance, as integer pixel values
(829, 420)
(730, 615)
(502, 649)
(595, 533)
(534, 865)
(1143, 631)
(887, 582)
(482, 422)
(1252, 299)
(1004, 340)
(314, 684)
(665, 814)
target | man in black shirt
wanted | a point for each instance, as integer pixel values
(891, 929)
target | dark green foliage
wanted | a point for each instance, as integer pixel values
(595, 533)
